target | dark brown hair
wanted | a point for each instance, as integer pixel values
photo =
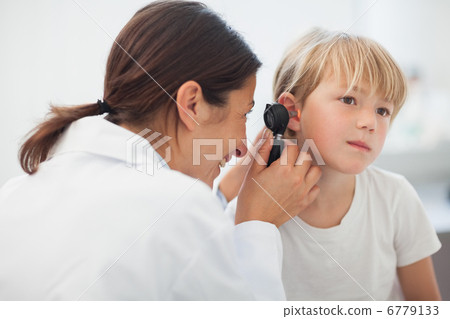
(165, 44)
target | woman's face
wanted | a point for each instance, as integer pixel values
(225, 135)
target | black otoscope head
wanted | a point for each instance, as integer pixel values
(276, 118)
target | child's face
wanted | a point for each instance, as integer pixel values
(348, 129)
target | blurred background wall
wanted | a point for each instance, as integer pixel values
(55, 52)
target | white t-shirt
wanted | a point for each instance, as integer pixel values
(386, 227)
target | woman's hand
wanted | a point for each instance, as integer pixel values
(276, 193)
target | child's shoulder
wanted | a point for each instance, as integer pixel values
(387, 183)
(376, 174)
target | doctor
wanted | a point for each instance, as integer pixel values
(98, 218)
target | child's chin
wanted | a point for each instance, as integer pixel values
(356, 169)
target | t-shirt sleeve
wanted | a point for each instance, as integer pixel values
(415, 237)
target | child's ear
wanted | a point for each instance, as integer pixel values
(288, 100)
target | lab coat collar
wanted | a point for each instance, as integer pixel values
(95, 135)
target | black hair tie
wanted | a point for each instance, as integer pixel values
(104, 107)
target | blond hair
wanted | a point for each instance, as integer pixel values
(357, 58)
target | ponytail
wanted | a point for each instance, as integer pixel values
(44, 136)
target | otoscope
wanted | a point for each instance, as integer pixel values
(276, 118)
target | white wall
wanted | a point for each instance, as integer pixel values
(52, 51)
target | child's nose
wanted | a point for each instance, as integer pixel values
(366, 119)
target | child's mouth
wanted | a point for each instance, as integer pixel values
(360, 145)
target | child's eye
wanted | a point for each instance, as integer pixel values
(348, 100)
(246, 114)
(383, 111)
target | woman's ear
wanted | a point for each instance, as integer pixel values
(190, 105)
(288, 100)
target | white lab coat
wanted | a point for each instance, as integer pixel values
(88, 226)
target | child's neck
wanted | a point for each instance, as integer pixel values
(333, 201)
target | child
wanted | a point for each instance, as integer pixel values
(366, 236)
